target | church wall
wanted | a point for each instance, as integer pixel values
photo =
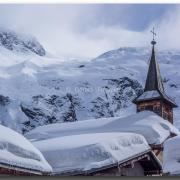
(154, 105)
(167, 112)
(161, 108)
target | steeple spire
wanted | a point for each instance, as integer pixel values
(154, 80)
(154, 97)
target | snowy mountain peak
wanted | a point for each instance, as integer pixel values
(14, 41)
(124, 51)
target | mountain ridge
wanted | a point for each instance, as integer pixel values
(47, 90)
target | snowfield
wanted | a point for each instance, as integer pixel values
(16, 150)
(155, 129)
(79, 153)
(171, 156)
(43, 89)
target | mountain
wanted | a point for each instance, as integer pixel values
(42, 89)
(20, 43)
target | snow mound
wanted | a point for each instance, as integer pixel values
(171, 156)
(155, 129)
(16, 150)
(88, 151)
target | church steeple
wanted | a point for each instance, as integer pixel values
(154, 97)
(154, 80)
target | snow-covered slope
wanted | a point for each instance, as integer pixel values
(48, 89)
(16, 150)
(155, 129)
(171, 156)
(84, 152)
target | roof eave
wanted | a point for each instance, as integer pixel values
(136, 101)
(173, 104)
(168, 99)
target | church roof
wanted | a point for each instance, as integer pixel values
(154, 95)
(154, 80)
(154, 88)
(149, 95)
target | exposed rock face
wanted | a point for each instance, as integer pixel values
(51, 109)
(20, 43)
(117, 94)
(11, 114)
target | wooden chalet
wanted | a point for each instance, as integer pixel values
(12, 170)
(154, 97)
(143, 164)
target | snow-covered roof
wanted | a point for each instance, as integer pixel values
(84, 152)
(154, 94)
(171, 156)
(155, 129)
(16, 151)
(149, 95)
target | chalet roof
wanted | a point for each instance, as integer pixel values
(18, 154)
(147, 160)
(108, 139)
(154, 88)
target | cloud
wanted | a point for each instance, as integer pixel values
(168, 30)
(89, 30)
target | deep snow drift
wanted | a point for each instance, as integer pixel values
(84, 145)
(171, 156)
(155, 129)
(84, 152)
(16, 150)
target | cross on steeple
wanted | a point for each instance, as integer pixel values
(153, 42)
(154, 34)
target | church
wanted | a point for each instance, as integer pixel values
(154, 97)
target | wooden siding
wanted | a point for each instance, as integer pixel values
(13, 172)
(159, 107)
(9, 170)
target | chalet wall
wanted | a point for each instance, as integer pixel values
(159, 154)
(13, 172)
(136, 170)
(167, 112)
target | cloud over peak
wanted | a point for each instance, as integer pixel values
(88, 30)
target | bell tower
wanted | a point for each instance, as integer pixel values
(154, 97)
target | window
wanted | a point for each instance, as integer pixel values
(157, 110)
(149, 107)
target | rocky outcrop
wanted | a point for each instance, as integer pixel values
(20, 43)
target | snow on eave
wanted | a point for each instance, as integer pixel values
(91, 151)
(17, 152)
(117, 164)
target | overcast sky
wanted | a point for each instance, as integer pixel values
(89, 30)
